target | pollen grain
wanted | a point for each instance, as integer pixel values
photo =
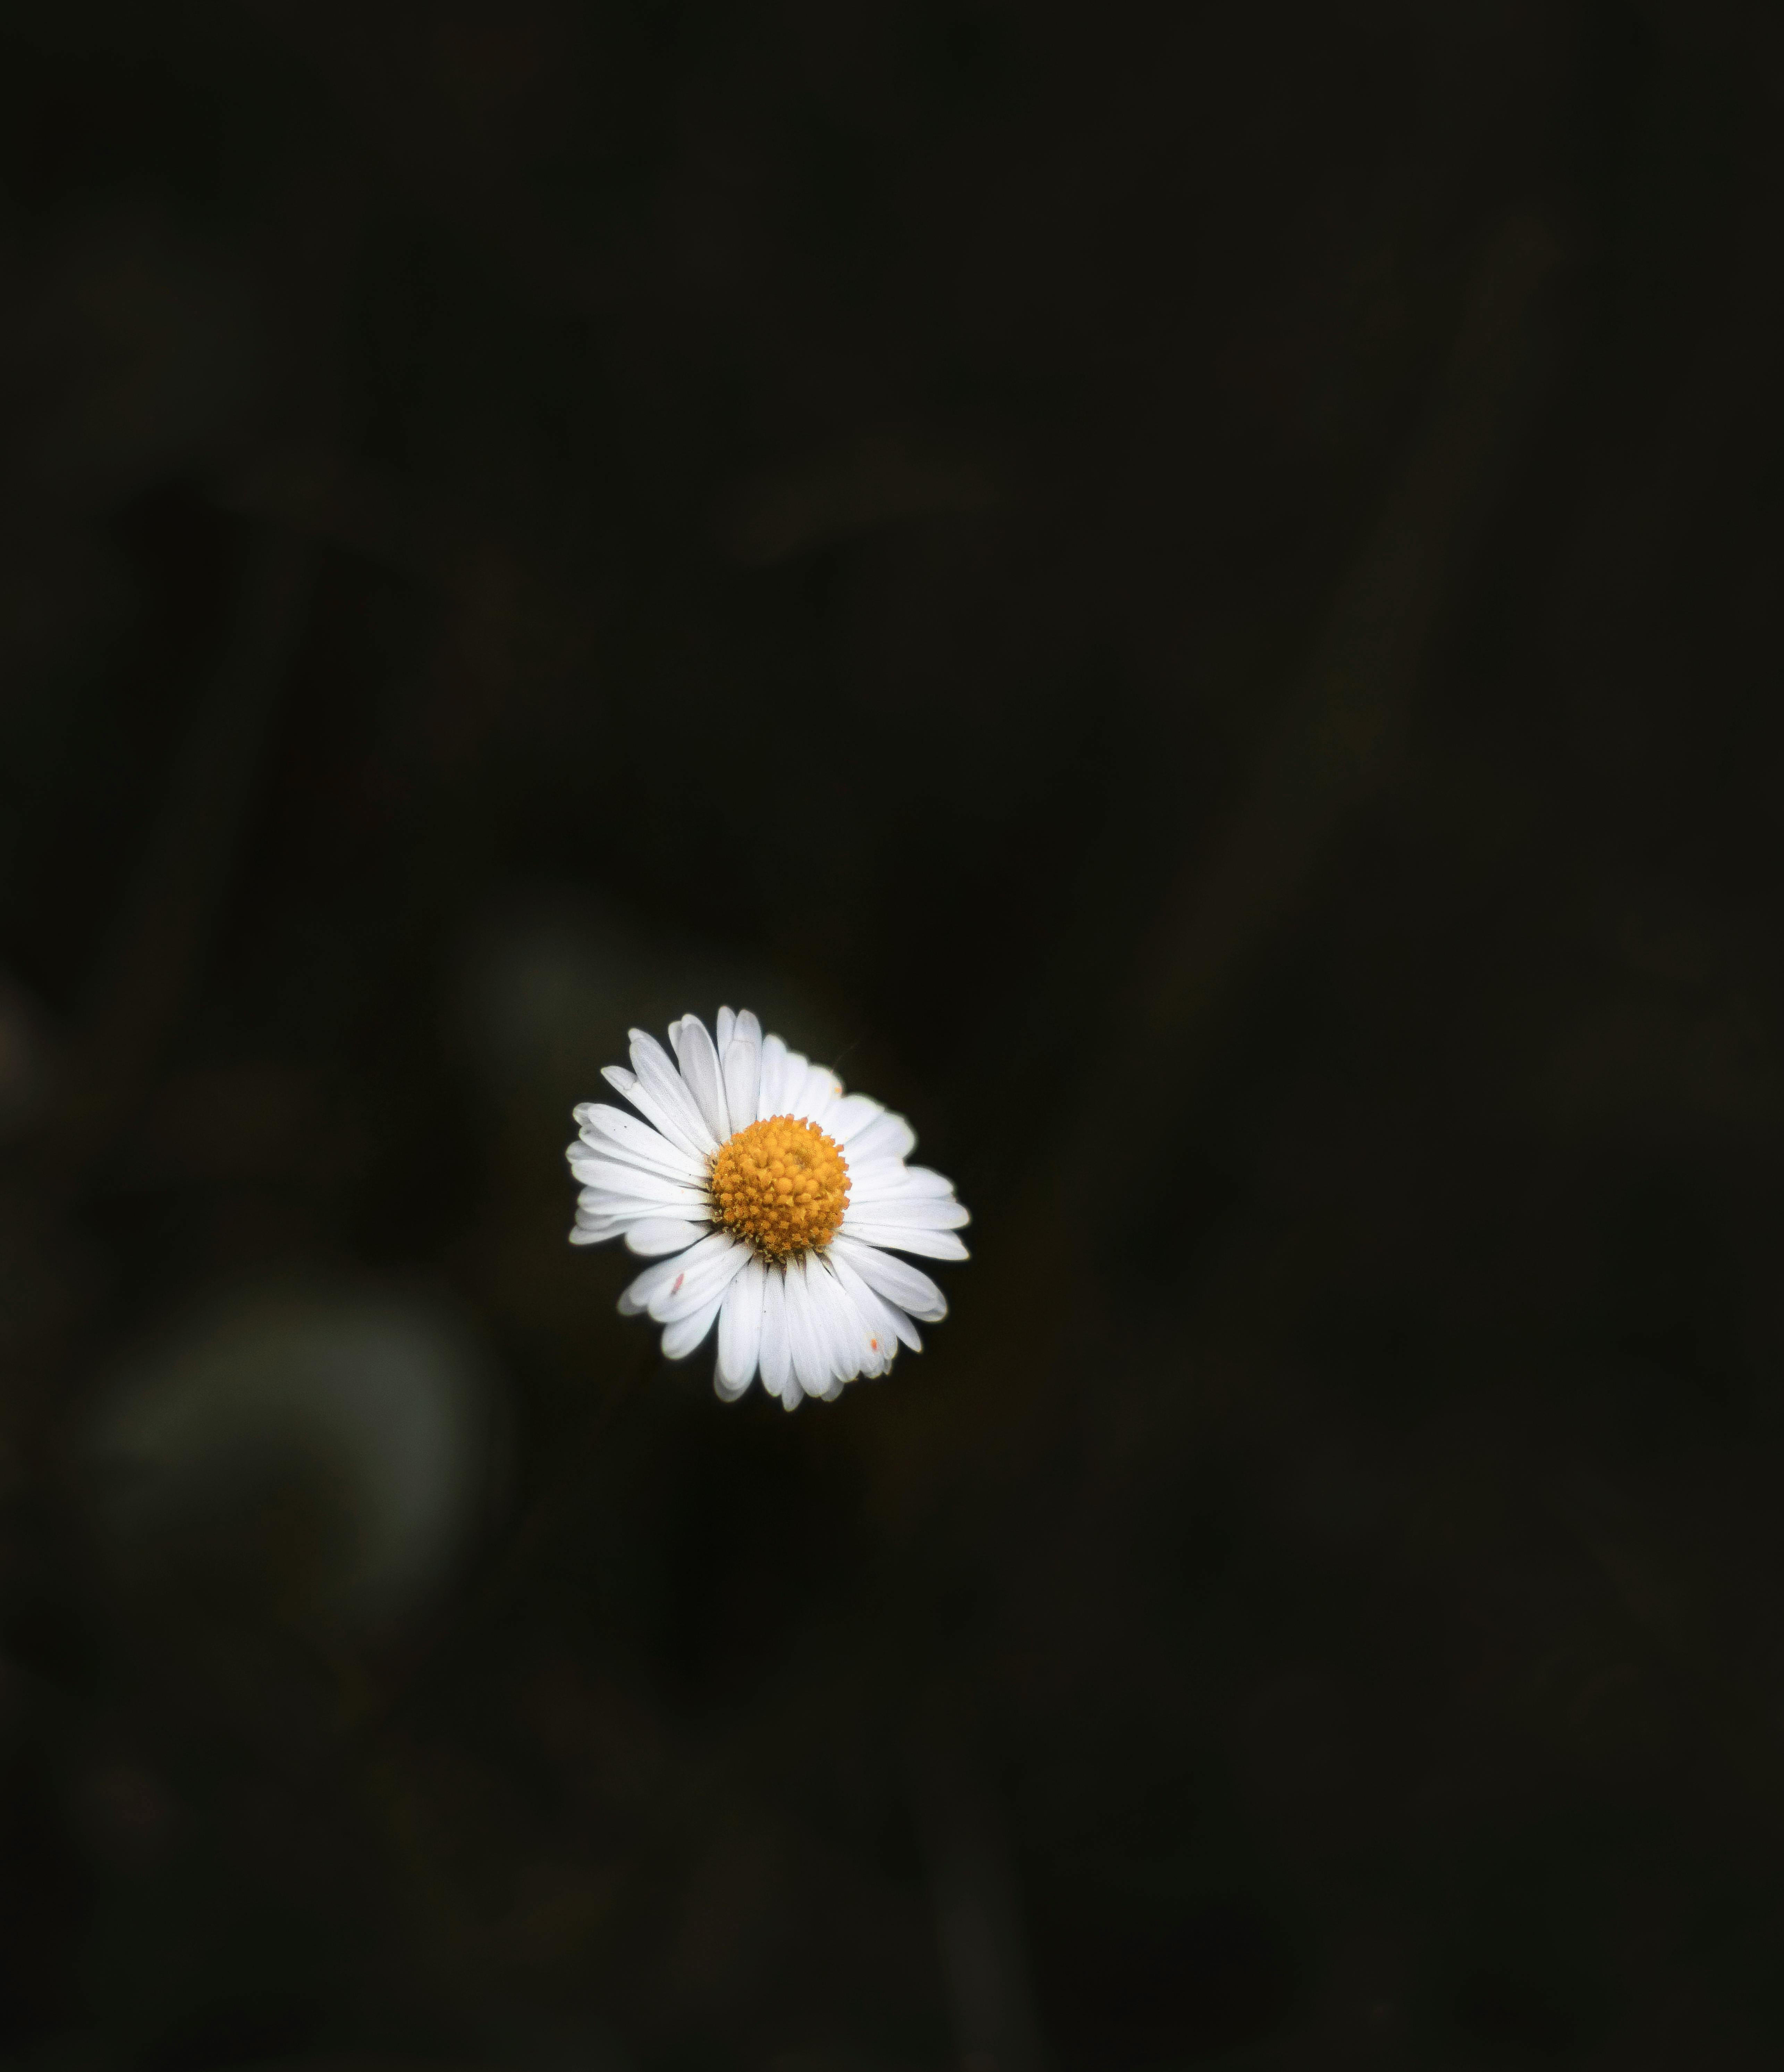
(782, 1185)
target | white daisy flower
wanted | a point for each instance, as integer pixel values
(776, 1203)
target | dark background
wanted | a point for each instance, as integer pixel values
(1192, 595)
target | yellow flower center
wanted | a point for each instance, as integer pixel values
(782, 1185)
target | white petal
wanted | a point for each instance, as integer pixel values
(776, 1355)
(887, 1324)
(648, 1236)
(783, 1075)
(662, 1228)
(686, 1333)
(914, 1211)
(614, 1177)
(700, 1283)
(845, 1336)
(616, 1133)
(872, 1320)
(742, 1066)
(652, 1235)
(700, 1070)
(591, 1229)
(879, 1175)
(740, 1331)
(850, 1116)
(770, 1062)
(906, 1286)
(597, 1205)
(768, 1067)
(885, 1179)
(602, 1205)
(580, 1154)
(894, 1237)
(667, 1115)
(887, 1136)
(820, 1289)
(813, 1100)
(658, 1077)
(669, 1196)
(622, 1210)
(654, 1279)
(811, 1361)
(616, 1213)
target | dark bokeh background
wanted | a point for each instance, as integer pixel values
(1192, 595)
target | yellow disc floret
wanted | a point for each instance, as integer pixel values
(782, 1185)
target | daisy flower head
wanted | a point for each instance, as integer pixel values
(773, 1204)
